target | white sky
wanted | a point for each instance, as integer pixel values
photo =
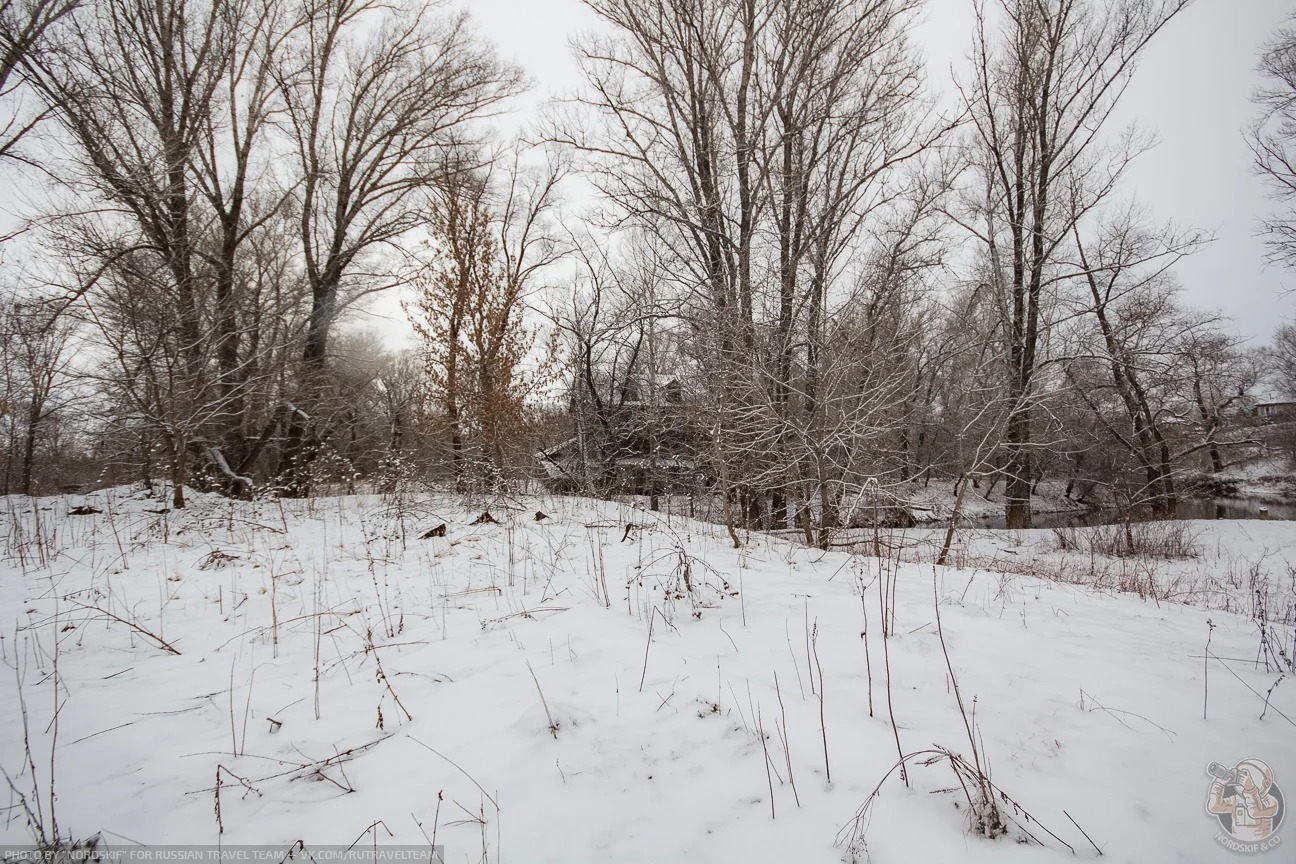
(1193, 90)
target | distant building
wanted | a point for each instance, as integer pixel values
(1276, 412)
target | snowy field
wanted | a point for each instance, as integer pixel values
(571, 690)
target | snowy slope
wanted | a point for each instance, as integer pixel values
(442, 661)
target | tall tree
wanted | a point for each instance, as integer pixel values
(1131, 298)
(135, 86)
(24, 26)
(198, 125)
(378, 97)
(233, 175)
(751, 141)
(379, 103)
(1047, 75)
(1273, 139)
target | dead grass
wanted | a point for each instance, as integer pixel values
(1169, 540)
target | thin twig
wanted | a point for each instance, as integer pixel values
(456, 765)
(158, 640)
(553, 727)
(1084, 832)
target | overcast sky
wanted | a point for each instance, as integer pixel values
(1192, 89)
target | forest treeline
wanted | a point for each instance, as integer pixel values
(751, 257)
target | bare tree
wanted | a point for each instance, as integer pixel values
(1282, 353)
(751, 142)
(38, 376)
(373, 118)
(1273, 139)
(135, 86)
(1042, 90)
(379, 100)
(1132, 302)
(24, 25)
(1223, 376)
(848, 111)
(401, 391)
(233, 173)
(135, 126)
(196, 127)
(630, 393)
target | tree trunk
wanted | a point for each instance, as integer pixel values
(29, 446)
(300, 444)
(179, 469)
(955, 516)
(1017, 484)
(231, 377)
(829, 518)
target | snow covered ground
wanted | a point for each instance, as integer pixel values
(1246, 566)
(570, 690)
